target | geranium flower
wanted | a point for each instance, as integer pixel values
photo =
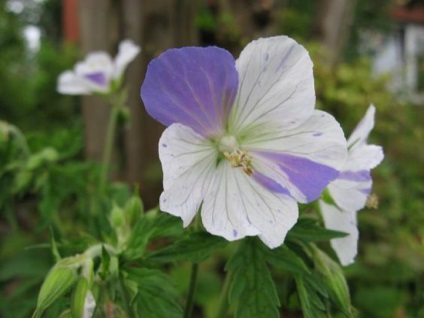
(97, 73)
(243, 141)
(349, 192)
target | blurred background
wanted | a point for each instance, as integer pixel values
(363, 51)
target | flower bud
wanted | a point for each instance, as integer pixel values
(335, 280)
(116, 217)
(133, 209)
(57, 283)
(82, 303)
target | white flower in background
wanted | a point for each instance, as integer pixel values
(349, 192)
(244, 141)
(98, 71)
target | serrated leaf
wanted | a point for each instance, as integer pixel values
(308, 230)
(156, 296)
(252, 289)
(309, 291)
(195, 247)
(151, 226)
(285, 259)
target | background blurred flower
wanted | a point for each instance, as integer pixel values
(349, 192)
(97, 72)
(244, 141)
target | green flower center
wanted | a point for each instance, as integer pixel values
(229, 147)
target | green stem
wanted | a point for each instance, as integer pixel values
(223, 300)
(110, 137)
(191, 290)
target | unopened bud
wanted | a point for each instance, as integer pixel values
(83, 303)
(336, 281)
(57, 283)
(116, 217)
(133, 209)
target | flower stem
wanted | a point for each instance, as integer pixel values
(191, 290)
(223, 300)
(109, 141)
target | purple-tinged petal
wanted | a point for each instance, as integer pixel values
(269, 183)
(98, 78)
(358, 176)
(305, 179)
(350, 195)
(192, 86)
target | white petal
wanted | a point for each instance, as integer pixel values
(188, 163)
(89, 306)
(126, 53)
(276, 86)
(350, 195)
(237, 206)
(346, 248)
(320, 139)
(361, 132)
(364, 157)
(69, 83)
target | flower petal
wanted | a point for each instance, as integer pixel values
(188, 163)
(346, 248)
(361, 132)
(276, 88)
(193, 86)
(127, 52)
(303, 160)
(237, 206)
(364, 157)
(96, 71)
(351, 189)
(69, 83)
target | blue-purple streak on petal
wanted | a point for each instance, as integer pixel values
(310, 177)
(365, 191)
(269, 183)
(358, 176)
(192, 86)
(98, 78)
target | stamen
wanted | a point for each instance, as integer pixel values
(239, 158)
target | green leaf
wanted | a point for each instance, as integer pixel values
(195, 247)
(151, 226)
(156, 297)
(310, 290)
(285, 259)
(252, 288)
(308, 230)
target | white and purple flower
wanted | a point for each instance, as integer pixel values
(349, 192)
(243, 141)
(97, 73)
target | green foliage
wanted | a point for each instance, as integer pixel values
(194, 247)
(153, 297)
(252, 287)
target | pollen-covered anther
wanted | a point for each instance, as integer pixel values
(372, 201)
(239, 158)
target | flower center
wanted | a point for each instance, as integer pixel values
(237, 157)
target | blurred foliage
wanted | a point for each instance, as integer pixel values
(45, 184)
